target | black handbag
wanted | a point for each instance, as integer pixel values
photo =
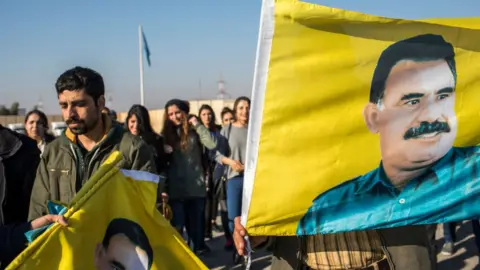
(220, 189)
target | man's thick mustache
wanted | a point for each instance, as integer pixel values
(73, 121)
(426, 128)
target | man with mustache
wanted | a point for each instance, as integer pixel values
(71, 159)
(421, 179)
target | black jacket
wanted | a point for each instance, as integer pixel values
(12, 241)
(49, 138)
(156, 143)
(19, 157)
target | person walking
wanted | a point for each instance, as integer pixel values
(208, 119)
(232, 152)
(185, 138)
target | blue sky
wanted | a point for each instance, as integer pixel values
(190, 41)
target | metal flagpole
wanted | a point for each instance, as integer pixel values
(140, 48)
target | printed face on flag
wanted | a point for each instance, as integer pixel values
(388, 134)
(124, 247)
(113, 229)
(121, 254)
(416, 117)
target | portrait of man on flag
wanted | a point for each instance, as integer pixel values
(124, 246)
(421, 174)
(114, 224)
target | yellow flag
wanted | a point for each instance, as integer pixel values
(361, 122)
(113, 222)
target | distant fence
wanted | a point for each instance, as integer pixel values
(14, 119)
(156, 116)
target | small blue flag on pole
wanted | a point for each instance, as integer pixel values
(145, 47)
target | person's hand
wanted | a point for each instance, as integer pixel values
(167, 148)
(48, 219)
(237, 166)
(163, 206)
(240, 167)
(164, 197)
(239, 233)
(193, 121)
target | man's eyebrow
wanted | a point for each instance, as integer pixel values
(73, 101)
(446, 90)
(118, 265)
(412, 95)
(78, 100)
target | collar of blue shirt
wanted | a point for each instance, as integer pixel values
(378, 179)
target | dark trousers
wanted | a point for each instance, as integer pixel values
(476, 232)
(431, 231)
(211, 212)
(449, 232)
(224, 218)
(190, 213)
(234, 199)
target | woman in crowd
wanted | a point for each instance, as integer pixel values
(231, 152)
(207, 116)
(36, 126)
(219, 185)
(138, 123)
(227, 116)
(185, 138)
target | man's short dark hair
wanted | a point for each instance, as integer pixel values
(427, 47)
(133, 231)
(80, 78)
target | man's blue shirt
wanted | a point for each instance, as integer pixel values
(449, 191)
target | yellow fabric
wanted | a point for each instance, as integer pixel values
(107, 195)
(313, 135)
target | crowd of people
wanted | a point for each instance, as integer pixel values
(199, 160)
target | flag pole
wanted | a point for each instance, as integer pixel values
(140, 48)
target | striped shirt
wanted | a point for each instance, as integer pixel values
(349, 250)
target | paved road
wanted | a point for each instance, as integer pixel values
(465, 257)
(221, 259)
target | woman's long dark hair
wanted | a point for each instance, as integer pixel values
(169, 131)
(213, 123)
(143, 119)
